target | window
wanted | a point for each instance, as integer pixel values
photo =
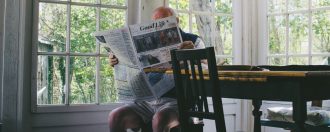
(71, 68)
(298, 32)
(212, 20)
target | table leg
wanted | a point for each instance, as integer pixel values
(299, 115)
(257, 114)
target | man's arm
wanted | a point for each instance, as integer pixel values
(187, 45)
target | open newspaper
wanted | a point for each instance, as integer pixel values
(142, 46)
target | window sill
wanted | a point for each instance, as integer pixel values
(75, 108)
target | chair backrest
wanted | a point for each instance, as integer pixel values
(191, 85)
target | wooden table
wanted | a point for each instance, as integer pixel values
(297, 87)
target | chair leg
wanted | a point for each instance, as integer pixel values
(257, 113)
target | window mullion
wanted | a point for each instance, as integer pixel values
(287, 33)
(67, 68)
(84, 4)
(177, 5)
(309, 32)
(97, 78)
(35, 36)
(213, 27)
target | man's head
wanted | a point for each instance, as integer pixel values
(162, 12)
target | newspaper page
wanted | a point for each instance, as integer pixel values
(153, 41)
(138, 47)
(120, 43)
(130, 83)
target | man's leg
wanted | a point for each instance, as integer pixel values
(164, 120)
(123, 118)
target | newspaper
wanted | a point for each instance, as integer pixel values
(142, 46)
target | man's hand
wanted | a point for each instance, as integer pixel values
(187, 45)
(113, 60)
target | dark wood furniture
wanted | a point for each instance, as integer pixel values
(305, 83)
(191, 87)
(296, 84)
(288, 125)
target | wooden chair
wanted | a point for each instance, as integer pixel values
(190, 86)
(288, 125)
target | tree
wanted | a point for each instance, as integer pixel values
(223, 26)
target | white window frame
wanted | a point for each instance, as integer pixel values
(236, 27)
(67, 107)
(263, 43)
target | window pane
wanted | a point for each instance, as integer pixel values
(298, 4)
(277, 61)
(229, 61)
(320, 3)
(83, 24)
(184, 21)
(201, 5)
(321, 31)
(114, 2)
(172, 4)
(112, 19)
(224, 33)
(324, 60)
(108, 92)
(276, 6)
(82, 76)
(52, 28)
(277, 34)
(223, 6)
(84, 1)
(196, 24)
(201, 25)
(298, 33)
(104, 49)
(298, 61)
(179, 4)
(51, 80)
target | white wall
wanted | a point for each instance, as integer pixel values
(133, 12)
(1, 55)
(15, 36)
(147, 7)
(10, 65)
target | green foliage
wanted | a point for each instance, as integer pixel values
(298, 30)
(83, 23)
(224, 6)
(179, 4)
(82, 70)
(321, 31)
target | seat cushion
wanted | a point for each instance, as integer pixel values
(315, 115)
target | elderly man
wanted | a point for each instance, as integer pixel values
(162, 112)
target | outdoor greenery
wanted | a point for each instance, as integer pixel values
(215, 29)
(298, 33)
(53, 27)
